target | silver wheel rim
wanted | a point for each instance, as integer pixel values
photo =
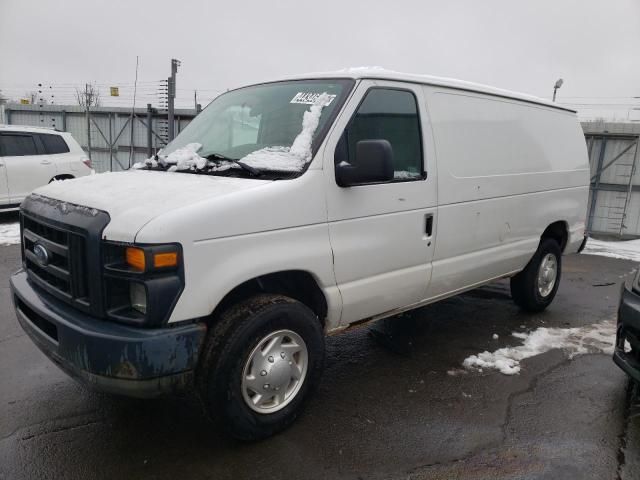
(547, 274)
(274, 371)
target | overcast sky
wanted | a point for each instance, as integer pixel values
(594, 45)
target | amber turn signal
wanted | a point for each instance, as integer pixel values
(163, 260)
(135, 258)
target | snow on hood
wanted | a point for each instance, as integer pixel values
(186, 157)
(133, 198)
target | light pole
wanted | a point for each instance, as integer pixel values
(558, 84)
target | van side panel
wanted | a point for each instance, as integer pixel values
(506, 170)
(227, 241)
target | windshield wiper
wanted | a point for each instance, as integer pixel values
(244, 166)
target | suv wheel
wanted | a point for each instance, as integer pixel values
(535, 287)
(262, 359)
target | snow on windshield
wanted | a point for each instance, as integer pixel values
(291, 159)
(284, 159)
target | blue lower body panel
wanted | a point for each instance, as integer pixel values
(105, 355)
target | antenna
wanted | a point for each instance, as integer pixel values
(133, 111)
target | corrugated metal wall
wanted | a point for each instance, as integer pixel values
(614, 197)
(110, 130)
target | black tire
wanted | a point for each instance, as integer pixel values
(524, 286)
(233, 337)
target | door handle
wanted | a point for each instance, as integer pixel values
(45, 162)
(428, 224)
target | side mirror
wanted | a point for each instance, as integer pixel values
(373, 164)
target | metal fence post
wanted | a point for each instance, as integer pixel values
(110, 144)
(64, 120)
(596, 184)
(89, 134)
(7, 114)
(149, 131)
(627, 199)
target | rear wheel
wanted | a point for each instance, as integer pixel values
(535, 287)
(262, 359)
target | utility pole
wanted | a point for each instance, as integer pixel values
(87, 101)
(150, 112)
(171, 81)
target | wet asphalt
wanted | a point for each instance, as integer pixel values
(381, 411)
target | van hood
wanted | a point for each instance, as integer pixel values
(135, 197)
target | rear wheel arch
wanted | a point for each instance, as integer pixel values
(63, 176)
(558, 231)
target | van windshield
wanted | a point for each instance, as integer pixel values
(268, 127)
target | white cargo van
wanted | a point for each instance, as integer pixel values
(289, 210)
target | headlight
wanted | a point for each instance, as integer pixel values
(138, 297)
(142, 282)
(159, 257)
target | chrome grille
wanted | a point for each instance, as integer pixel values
(61, 270)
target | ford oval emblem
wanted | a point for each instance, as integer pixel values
(42, 254)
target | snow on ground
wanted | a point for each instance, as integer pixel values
(595, 338)
(629, 249)
(9, 233)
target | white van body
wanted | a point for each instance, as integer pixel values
(500, 172)
(42, 155)
(501, 167)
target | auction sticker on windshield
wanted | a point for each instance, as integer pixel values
(309, 98)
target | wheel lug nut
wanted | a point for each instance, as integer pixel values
(266, 386)
(263, 373)
(282, 355)
(270, 359)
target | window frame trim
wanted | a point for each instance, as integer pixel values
(44, 146)
(36, 143)
(424, 174)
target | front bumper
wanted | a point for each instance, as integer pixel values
(104, 355)
(628, 330)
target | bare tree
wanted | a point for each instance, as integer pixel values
(88, 96)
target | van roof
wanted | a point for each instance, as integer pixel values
(27, 128)
(384, 74)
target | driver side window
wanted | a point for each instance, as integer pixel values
(392, 115)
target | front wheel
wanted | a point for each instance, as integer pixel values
(535, 287)
(262, 359)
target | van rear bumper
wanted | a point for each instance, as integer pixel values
(628, 330)
(104, 355)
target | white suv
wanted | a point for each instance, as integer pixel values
(34, 156)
